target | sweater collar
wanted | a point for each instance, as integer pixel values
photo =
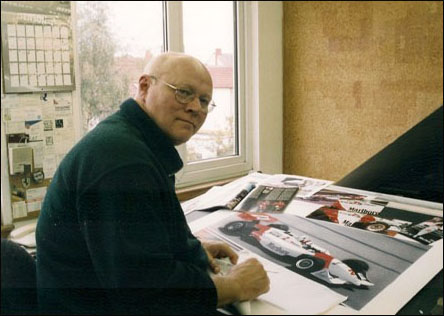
(153, 136)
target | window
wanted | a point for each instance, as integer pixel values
(255, 100)
(116, 39)
(211, 39)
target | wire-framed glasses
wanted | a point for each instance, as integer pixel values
(185, 96)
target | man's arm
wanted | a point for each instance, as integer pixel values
(124, 224)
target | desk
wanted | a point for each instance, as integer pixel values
(425, 300)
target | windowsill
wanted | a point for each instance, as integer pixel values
(190, 192)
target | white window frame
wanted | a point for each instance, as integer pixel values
(259, 48)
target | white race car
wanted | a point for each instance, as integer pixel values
(306, 257)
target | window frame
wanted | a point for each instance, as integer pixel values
(259, 83)
(240, 163)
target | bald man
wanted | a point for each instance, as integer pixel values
(111, 236)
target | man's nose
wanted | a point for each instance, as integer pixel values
(194, 105)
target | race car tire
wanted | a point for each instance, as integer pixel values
(306, 263)
(377, 227)
(373, 227)
(234, 228)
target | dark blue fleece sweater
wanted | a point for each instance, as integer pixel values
(111, 236)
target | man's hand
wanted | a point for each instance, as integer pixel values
(245, 281)
(218, 249)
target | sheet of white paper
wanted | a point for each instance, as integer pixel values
(36, 194)
(15, 127)
(29, 113)
(35, 130)
(28, 240)
(301, 208)
(34, 206)
(62, 104)
(307, 186)
(19, 209)
(199, 201)
(38, 152)
(49, 165)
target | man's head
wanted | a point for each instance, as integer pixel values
(157, 95)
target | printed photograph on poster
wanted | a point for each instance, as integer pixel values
(276, 192)
(289, 293)
(38, 176)
(47, 125)
(351, 262)
(362, 212)
(49, 140)
(34, 129)
(63, 124)
(337, 214)
(425, 232)
(267, 198)
(59, 123)
(328, 197)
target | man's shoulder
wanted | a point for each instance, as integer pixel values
(114, 133)
(111, 142)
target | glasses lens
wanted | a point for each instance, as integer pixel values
(211, 107)
(184, 96)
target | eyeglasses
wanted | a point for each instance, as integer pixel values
(186, 96)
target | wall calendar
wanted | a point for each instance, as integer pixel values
(37, 47)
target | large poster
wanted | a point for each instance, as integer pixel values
(357, 264)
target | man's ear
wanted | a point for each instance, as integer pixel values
(144, 84)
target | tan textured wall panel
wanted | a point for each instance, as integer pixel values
(357, 75)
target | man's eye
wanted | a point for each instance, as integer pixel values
(204, 102)
(185, 93)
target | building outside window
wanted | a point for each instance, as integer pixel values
(117, 39)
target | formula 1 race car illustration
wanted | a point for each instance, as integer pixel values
(262, 231)
(336, 213)
(425, 232)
